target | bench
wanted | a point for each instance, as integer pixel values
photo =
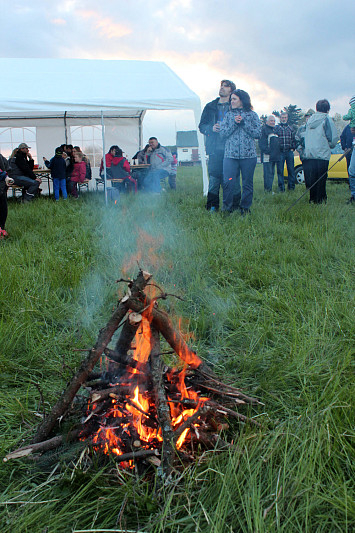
(15, 188)
(83, 185)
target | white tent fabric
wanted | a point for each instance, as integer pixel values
(54, 94)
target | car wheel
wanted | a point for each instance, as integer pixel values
(299, 175)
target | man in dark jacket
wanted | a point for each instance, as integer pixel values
(210, 122)
(270, 151)
(287, 145)
(346, 139)
(22, 172)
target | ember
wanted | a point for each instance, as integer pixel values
(139, 407)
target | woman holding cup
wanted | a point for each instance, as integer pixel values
(240, 127)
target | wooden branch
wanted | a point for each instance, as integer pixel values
(228, 389)
(44, 446)
(162, 406)
(90, 361)
(125, 361)
(220, 409)
(162, 322)
(236, 396)
(136, 455)
(127, 335)
(178, 432)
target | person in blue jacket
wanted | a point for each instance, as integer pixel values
(58, 167)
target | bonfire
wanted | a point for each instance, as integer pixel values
(141, 411)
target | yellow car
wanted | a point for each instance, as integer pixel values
(338, 172)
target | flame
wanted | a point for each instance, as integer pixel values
(143, 341)
(125, 421)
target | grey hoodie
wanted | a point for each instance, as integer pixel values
(320, 136)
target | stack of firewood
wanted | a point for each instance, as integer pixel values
(185, 409)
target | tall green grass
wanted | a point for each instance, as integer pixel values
(270, 302)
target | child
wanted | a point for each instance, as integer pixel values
(351, 113)
(4, 182)
(78, 174)
(58, 167)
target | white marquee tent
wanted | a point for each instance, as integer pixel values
(54, 94)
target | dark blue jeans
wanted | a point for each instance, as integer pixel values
(269, 171)
(60, 184)
(215, 181)
(288, 158)
(30, 186)
(152, 180)
(232, 168)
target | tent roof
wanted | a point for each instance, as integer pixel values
(49, 87)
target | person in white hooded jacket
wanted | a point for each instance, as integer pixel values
(320, 136)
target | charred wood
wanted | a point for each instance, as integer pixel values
(90, 361)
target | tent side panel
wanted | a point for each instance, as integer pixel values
(48, 138)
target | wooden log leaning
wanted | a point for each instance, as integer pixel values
(90, 361)
(127, 335)
(162, 323)
(162, 407)
(44, 446)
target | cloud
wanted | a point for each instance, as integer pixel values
(281, 52)
(58, 22)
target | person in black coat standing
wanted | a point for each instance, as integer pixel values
(211, 118)
(346, 140)
(270, 151)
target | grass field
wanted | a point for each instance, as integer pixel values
(269, 299)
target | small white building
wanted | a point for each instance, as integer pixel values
(187, 148)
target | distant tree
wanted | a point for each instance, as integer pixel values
(339, 122)
(294, 114)
(263, 119)
(172, 148)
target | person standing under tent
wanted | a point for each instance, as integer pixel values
(320, 136)
(240, 127)
(58, 169)
(5, 181)
(211, 119)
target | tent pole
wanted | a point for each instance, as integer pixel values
(201, 146)
(104, 153)
(65, 128)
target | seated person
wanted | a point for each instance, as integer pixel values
(110, 158)
(77, 149)
(58, 169)
(140, 156)
(160, 160)
(117, 167)
(21, 171)
(78, 174)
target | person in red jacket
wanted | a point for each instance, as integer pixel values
(78, 174)
(117, 167)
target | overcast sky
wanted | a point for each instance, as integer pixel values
(281, 52)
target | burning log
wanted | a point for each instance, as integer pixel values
(90, 361)
(141, 408)
(163, 411)
(161, 322)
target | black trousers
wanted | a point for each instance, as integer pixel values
(316, 169)
(3, 205)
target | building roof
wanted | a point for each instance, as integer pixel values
(186, 139)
